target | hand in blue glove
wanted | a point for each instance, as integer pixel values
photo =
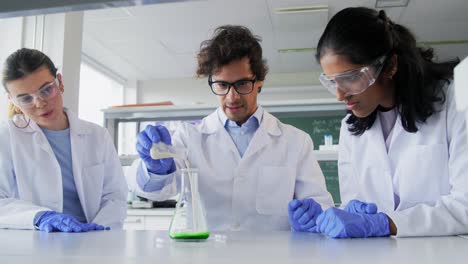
(51, 221)
(356, 206)
(338, 223)
(145, 140)
(94, 226)
(302, 214)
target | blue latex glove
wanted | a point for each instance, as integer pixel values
(356, 206)
(302, 215)
(51, 221)
(338, 223)
(145, 140)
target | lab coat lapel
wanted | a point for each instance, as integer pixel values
(78, 146)
(397, 130)
(50, 186)
(40, 138)
(377, 144)
(268, 127)
(215, 127)
(378, 171)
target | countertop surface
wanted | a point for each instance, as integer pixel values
(116, 246)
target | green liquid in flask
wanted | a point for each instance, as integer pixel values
(190, 236)
(188, 222)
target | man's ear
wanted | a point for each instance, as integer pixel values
(260, 85)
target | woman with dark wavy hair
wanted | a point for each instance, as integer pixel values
(402, 144)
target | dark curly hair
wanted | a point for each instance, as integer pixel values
(362, 35)
(228, 44)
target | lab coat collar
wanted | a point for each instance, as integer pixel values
(256, 117)
(212, 123)
(77, 126)
(271, 124)
(396, 132)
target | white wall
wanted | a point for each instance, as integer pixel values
(11, 31)
(59, 36)
(62, 43)
(189, 91)
(97, 92)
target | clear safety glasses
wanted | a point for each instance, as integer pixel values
(46, 92)
(353, 82)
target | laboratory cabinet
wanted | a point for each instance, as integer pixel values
(148, 219)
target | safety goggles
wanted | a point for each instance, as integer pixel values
(46, 92)
(355, 81)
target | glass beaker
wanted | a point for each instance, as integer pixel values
(189, 219)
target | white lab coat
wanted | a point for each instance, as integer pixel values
(31, 180)
(250, 192)
(429, 169)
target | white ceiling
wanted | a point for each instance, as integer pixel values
(160, 41)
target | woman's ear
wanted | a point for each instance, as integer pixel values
(392, 66)
(59, 78)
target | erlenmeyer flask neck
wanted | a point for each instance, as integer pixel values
(189, 181)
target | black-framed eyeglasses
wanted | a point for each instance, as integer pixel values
(243, 86)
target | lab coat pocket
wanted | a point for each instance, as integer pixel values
(427, 169)
(275, 188)
(94, 175)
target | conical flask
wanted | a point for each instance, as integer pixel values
(189, 219)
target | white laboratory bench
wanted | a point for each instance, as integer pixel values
(148, 219)
(26, 246)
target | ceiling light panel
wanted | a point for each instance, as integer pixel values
(391, 3)
(301, 9)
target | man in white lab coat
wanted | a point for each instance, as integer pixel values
(250, 164)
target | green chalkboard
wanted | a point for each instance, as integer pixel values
(317, 127)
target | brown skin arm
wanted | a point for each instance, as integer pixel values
(392, 226)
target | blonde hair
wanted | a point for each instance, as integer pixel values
(13, 110)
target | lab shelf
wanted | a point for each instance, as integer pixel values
(323, 155)
(148, 219)
(114, 116)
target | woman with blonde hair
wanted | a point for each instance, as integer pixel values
(57, 172)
